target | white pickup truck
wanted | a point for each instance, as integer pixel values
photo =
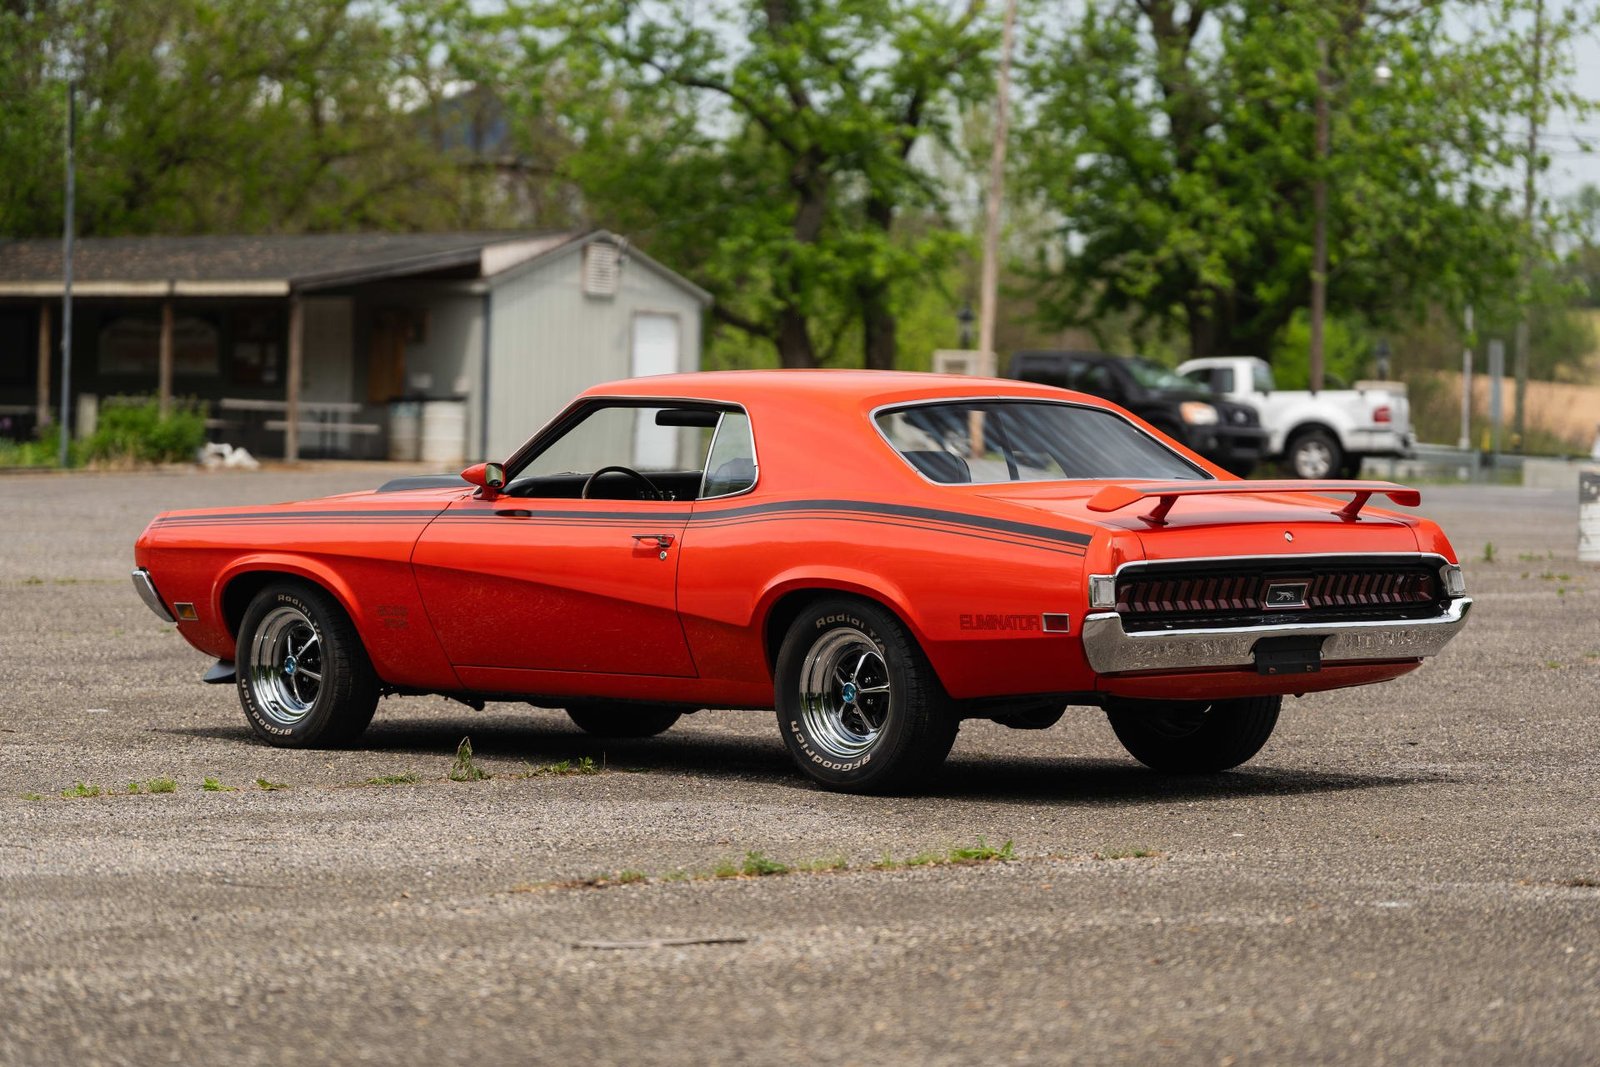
(1317, 435)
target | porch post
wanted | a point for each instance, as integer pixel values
(164, 372)
(42, 400)
(291, 417)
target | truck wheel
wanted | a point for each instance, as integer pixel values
(623, 720)
(1314, 454)
(304, 678)
(1193, 737)
(858, 704)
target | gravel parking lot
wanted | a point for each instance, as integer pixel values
(1408, 873)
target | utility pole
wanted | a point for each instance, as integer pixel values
(989, 285)
(1319, 223)
(1528, 200)
(66, 274)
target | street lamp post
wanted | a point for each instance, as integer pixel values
(965, 318)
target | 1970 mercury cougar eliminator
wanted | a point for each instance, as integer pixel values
(878, 556)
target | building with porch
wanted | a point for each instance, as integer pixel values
(445, 347)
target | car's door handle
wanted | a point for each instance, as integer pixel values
(662, 540)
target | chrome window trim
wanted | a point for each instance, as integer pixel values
(898, 405)
(755, 461)
(528, 453)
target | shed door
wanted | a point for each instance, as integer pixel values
(655, 351)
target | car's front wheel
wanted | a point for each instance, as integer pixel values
(859, 706)
(304, 677)
(1193, 737)
(623, 720)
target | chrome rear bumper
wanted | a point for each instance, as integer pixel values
(1112, 650)
(147, 593)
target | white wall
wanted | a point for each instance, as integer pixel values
(549, 341)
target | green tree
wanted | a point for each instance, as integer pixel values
(200, 116)
(766, 149)
(1176, 145)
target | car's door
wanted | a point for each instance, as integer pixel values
(541, 579)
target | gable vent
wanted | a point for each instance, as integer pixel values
(600, 269)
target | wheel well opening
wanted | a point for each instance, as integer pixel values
(791, 605)
(1311, 427)
(239, 592)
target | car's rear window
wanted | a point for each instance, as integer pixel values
(991, 441)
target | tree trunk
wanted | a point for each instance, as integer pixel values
(879, 338)
(794, 339)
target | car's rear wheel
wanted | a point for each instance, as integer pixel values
(859, 706)
(1314, 454)
(1193, 737)
(304, 678)
(623, 720)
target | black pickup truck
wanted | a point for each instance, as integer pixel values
(1226, 433)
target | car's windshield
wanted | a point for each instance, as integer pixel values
(1155, 376)
(989, 441)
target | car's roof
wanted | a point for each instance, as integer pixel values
(854, 388)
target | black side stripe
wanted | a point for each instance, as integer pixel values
(719, 516)
(957, 518)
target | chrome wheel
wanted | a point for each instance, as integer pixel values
(285, 665)
(1313, 459)
(844, 693)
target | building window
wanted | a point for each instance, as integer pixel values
(130, 344)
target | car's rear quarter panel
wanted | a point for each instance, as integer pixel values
(358, 551)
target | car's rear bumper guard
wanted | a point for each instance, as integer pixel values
(1112, 650)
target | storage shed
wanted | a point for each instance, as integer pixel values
(444, 347)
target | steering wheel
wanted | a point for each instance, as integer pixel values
(650, 490)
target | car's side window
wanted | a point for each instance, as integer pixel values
(731, 466)
(625, 451)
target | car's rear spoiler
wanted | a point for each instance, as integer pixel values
(1117, 497)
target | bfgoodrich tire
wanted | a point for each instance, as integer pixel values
(304, 678)
(1193, 737)
(858, 704)
(623, 720)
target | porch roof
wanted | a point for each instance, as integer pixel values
(261, 265)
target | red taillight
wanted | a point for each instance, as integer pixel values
(1381, 414)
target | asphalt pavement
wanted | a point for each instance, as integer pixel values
(1408, 873)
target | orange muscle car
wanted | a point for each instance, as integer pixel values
(877, 556)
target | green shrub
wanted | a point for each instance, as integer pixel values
(131, 430)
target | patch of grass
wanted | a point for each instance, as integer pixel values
(1489, 551)
(211, 785)
(133, 789)
(464, 769)
(405, 778)
(758, 866)
(34, 580)
(82, 790)
(981, 853)
(161, 785)
(1127, 854)
(33, 796)
(270, 787)
(560, 769)
(1552, 665)
(1581, 883)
